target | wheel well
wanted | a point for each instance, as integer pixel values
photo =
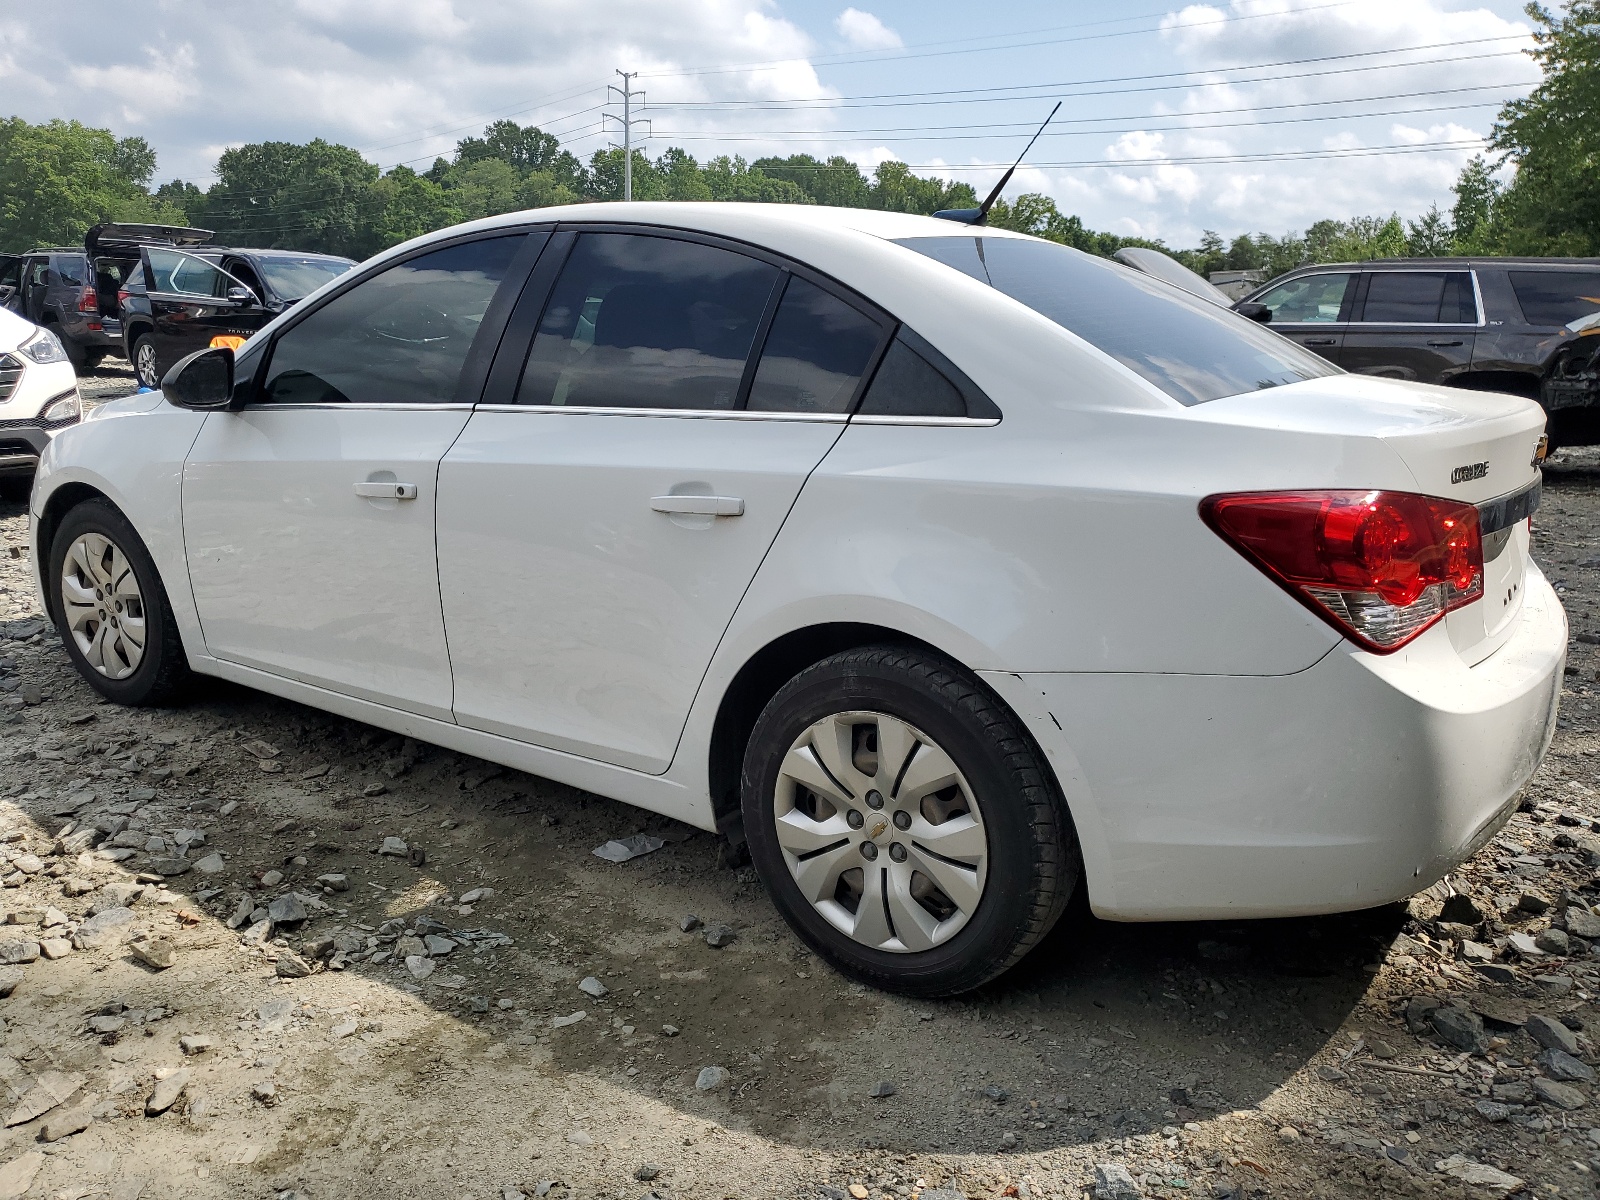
(62, 501)
(1517, 383)
(759, 680)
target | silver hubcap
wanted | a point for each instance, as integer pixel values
(102, 605)
(147, 364)
(881, 832)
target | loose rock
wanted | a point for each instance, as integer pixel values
(592, 987)
(1113, 1182)
(711, 1078)
(166, 1093)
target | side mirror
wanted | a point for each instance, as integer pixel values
(239, 294)
(202, 381)
(1253, 311)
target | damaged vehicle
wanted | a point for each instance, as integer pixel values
(174, 293)
(948, 569)
(1488, 324)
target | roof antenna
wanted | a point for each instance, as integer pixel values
(977, 216)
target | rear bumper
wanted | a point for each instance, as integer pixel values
(1353, 783)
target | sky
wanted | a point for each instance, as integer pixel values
(1235, 115)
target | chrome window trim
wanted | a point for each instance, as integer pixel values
(1352, 273)
(944, 422)
(1477, 300)
(344, 407)
(703, 414)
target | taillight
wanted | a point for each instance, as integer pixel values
(88, 302)
(122, 297)
(1380, 567)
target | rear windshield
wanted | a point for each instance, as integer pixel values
(1191, 349)
(297, 278)
(1556, 297)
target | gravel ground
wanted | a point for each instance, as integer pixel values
(226, 980)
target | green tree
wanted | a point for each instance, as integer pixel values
(403, 205)
(59, 178)
(895, 189)
(318, 197)
(526, 148)
(1431, 236)
(838, 182)
(1553, 136)
(732, 179)
(1471, 217)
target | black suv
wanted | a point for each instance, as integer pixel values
(50, 286)
(173, 293)
(1492, 324)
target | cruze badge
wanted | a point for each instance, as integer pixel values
(1469, 472)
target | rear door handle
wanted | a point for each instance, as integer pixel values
(387, 491)
(704, 506)
(1321, 342)
(1444, 342)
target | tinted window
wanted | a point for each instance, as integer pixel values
(908, 385)
(400, 337)
(1189, 348)
(1308, 298)
(1556, 297)
(71, 268)
(815, 354)
(647, 322)
(173, 271)
(1419, 298)
(296, 278)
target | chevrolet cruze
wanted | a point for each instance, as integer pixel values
(951, 569)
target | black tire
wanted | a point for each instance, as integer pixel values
(1034, 863)
(162, 675)
(146, 365)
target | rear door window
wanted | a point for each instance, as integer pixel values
(72, 268)
(815, 354)
(1420, 298)
(1191, 349)
(1314, 299)
(637, 321)
(1556, 297)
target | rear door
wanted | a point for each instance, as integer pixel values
(637, 452)
(189, 304)
(1313, 310)
(1413, 324)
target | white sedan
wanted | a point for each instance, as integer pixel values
(950, 568)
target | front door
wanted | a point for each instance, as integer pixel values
(189, 304)
(1418, 325)
(309, 513)
(597, 531)
(1313, 310)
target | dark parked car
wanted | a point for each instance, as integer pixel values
(50, 286)
(1492, 324)
(174, 294)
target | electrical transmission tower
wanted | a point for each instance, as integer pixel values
(627, 120)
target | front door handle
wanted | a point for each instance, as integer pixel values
(1321, 342)
(703, 506)
(386, 491)
(1444, 342)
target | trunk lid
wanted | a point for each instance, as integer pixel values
(1477, 447)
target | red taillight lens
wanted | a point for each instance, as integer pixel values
(88, 302)
(1381, 567)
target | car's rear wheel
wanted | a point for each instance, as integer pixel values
(113, 614)
(144, 361)
(904, 823)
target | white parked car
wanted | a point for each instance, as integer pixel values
(38, 399)
(951, 568)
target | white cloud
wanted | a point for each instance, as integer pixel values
(863, 31)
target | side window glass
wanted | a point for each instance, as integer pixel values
(175, 272)
(400, 337)
(647, 322)
(39, 271)
(1309, 298)
(1556, 297)
(71, 270)
(243, 272)
(815, 353)
(1413, 297)
(908, 385)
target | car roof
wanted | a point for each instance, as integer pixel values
(280, 253)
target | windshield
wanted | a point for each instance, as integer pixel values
(1192, 350)
(297, 278)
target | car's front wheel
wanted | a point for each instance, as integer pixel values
(112, 610)
(905, 825)
(144, 361)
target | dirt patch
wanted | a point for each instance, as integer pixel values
(1271, 1058)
